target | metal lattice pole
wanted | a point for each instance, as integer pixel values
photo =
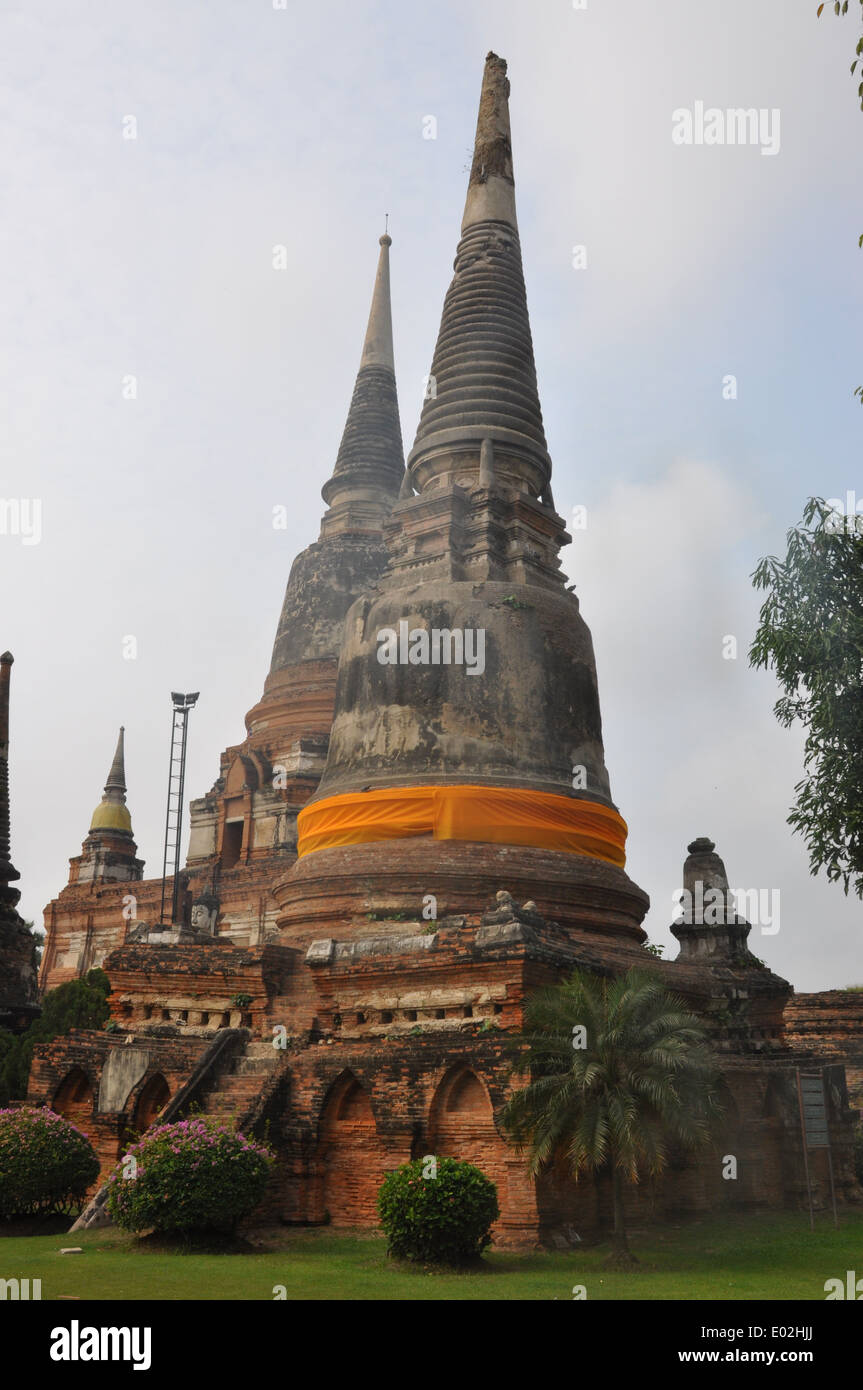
(174, 810)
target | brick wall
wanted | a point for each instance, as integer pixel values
(81, 1056)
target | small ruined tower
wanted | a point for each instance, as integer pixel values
(249, 812)
(730, 986)
(488, 734)
(18, 985)
(108, 855)
(708, 926)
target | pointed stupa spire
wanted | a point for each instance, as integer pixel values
(112, 813)
(483, 376)
(18, 980)
(378, 345)
(370, 462)
(117, 776)
(350, 554)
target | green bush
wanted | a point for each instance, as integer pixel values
(194, 1175)
(442, 1218)
(46, 1163)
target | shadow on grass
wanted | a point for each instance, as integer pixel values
(197, 1243)
(36, 1225)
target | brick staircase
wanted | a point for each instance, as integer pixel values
(242, 1089)
(238, 1089)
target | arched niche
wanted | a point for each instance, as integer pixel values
(351, 1154)
(461, 1123)
(153, 1098)
(73, 1098)
(461, 1100)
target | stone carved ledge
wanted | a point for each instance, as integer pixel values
(327, 950)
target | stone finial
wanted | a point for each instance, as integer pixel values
(378, 344)
(704, 867)
(8, 873)
(117, 775)
(491, 188)
(702, 845)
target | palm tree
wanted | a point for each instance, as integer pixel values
(619, 1072)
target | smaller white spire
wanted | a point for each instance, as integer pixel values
(378, 346)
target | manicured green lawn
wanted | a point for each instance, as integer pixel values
(765, 1256)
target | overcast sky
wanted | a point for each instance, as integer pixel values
(301, 127)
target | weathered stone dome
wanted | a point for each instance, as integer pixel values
(108, 816)
(526, 720)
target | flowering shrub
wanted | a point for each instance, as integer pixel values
(191, 1176)
(445, 1218)
(46, 1164)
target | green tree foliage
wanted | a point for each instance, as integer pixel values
(437, 1210)
(76, 1004)
(841, 7)
(46, 1164)
(620, 1074)
(811, 633)
(194, 1175)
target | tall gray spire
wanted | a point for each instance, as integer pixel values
(117, 776)
(8, 873)
(483, 377)
(18, 985)
(371, 454)
(378, 345)
(350, 554)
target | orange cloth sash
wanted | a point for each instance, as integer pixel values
(493, 815)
